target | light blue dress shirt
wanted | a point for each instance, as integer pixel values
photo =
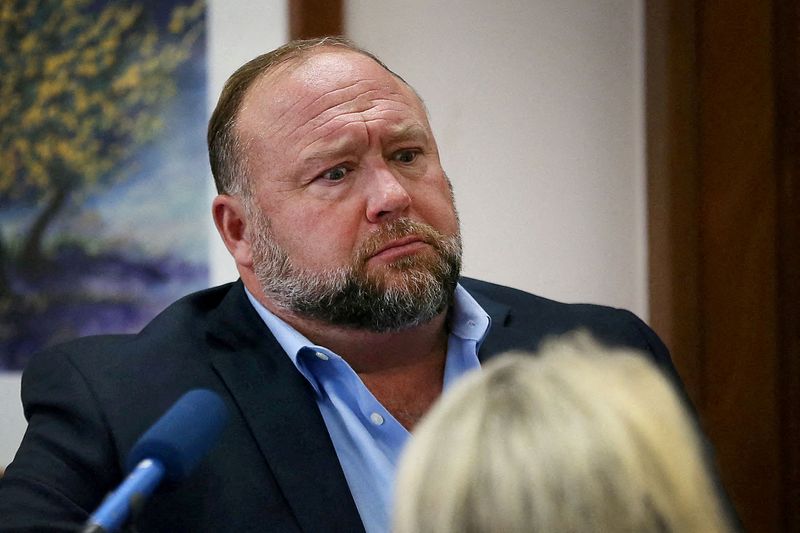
(367, 438)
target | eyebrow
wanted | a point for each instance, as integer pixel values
(403, 132)
(337, 151)
(410, 131)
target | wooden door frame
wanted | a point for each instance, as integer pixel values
(722, 107)
(315, 18)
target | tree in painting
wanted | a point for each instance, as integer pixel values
(81, 93)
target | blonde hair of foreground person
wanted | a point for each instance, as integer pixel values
(579, 439)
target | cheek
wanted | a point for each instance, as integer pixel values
(319, 236)
(434, 203)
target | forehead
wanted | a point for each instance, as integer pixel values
(325, 86)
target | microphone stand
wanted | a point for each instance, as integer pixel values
(127, 500)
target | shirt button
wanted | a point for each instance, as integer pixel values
(376, 419)
(322, 356)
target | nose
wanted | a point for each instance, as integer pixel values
(387, 198)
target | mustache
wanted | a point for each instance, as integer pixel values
(397, 229)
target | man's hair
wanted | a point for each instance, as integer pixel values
(225, 151)
(578, 438)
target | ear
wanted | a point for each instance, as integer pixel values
(229, 217)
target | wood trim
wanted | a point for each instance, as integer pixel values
(787, 96)
(315, 18)
(723, 113)
(738, 247)
(673, 187)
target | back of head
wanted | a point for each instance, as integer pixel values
(580, 438)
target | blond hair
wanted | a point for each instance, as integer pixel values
(579, 438)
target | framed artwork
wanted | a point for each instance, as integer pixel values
(103, 166)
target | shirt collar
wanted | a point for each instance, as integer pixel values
(468, 320)
(291, 340)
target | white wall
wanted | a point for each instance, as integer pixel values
(12, 423)
(537, 107)
(239, 30)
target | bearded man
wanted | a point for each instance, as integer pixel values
(348, 322)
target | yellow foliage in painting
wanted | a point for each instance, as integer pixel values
(33, 117)
(131, 77)
(28, 43)
(80, 90)
(184, 15)
(87, 69)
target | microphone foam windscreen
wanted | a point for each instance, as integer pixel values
(183, 435)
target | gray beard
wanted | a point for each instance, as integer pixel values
(349, 296)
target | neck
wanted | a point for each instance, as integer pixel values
(404, 370)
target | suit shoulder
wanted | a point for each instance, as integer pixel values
(525, 302)
(538, 317)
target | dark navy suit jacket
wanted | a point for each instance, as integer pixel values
(275, 468)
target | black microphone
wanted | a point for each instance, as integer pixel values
(168, 452)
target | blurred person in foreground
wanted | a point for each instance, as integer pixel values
(580, 438)
(349, 319)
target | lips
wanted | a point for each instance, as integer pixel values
(399, 247)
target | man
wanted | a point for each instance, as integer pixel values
(348, 322)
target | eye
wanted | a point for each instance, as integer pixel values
(405, 156)
(334, 174)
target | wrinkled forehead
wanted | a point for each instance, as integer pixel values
(309, 85)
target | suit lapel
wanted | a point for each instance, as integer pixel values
(502, 336)
(279, 407)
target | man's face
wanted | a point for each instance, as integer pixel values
(351, 218)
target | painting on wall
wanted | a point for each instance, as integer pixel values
(103, 168)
